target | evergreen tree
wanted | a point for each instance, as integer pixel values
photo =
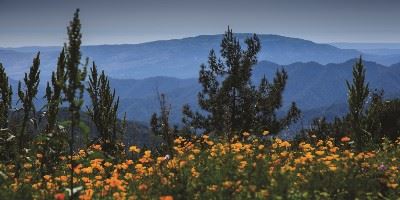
(160, 126)
(7, 138)
(53, 138)
(74, 82)
(31, 82)
(269, 101)
(358, 92)
(6, 97)
(232, 104)
(104, 110)
(27, 96)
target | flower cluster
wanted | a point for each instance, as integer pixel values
(204, 168)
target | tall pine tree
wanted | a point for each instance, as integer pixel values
(358, 92)
(104, 111)
(74, 87)
(232, 104)
(53, 138)
(6, 97)
(26, 96)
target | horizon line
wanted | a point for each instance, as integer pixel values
(186, 37)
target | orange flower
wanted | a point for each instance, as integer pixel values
(59, 196)
(167, 197)
(46, 177)
(143, 187)
(345, 139)
(63, 178)
(97, 147)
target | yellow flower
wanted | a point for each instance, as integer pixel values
(147, 154)
(212, 188)
(209, 142)
(27, 165)
(285, 144)
(265, 132)
(320, 153)
(242, 164)
(87, 170)
(227, 184)
(333, 168)
(194, 172)
(191, 157)
(246, 134)
(392, 185)
(284, 153)
(239, 157)
(196, 151)
(107, 164)
(134, 149)
(309, 156)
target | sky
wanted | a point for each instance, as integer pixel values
(43, 22)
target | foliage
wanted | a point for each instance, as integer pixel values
(231, 103)
(53, 139)
(6, 96)
(74, 87)
(7, 138)
(31, 82)
(26, 97)
(354, 157)
(371, 117)
(103, 111)
(204, 168)
(160, 126)
(358, 94)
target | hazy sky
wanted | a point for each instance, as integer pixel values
(43, 22)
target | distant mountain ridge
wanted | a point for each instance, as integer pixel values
(181, 57)
(319, 90)
(317, 72)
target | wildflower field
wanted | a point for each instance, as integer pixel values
(205, 168)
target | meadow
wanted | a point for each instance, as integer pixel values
(230, 149)
(254, 167)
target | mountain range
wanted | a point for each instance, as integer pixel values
(317, 72)
(181, 58)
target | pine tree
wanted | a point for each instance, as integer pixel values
(74, 87)
(269, 101)
(6, 97)
(358, 92)
(7, 138)
(26, 97)
(54, 93)
(232, 104)
(53, 139)
(160, 126)
(104, 111)
(31, 82)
